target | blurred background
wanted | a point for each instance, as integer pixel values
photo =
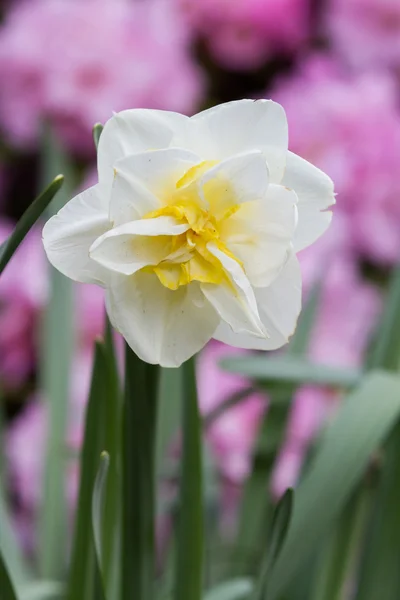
(66, 64)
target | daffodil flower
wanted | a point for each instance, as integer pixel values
(193, 228)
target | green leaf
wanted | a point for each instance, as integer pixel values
(138, 466)
(6, 585)
(190, 545)
(43, 590)
(236, 589)
(279, 528)
(362, 422)
(27, 221)
(111, 544)
(380, 573)
(340, 552)
(294, 370)
(97, 131)
(98, 503)
(256, 505)
(169, 409)
(9, 546)
(386, 347)
(82, 569)
(55, 375)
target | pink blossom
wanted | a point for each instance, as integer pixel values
(350, 127)
(244, 34)
(23, 293)
(366, 33)
(74, 62)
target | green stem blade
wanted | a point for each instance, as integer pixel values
(27, 221)
(138, 495)
(6, 585)
(189, 558)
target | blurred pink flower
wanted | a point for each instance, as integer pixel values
(231, 435)
(23, 292)
(366, 33)
(74, 62)
(244, 34)
(350, 128)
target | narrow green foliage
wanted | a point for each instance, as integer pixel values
(293, 370)
(138, 465)
(336, 565)
(97, 131)
(6, 586)
(98, 506)
(380, 569)
(82, 569)
(55, 374)
(235, 589)
(28, 219)
(278, 532)
(360, 426)
(170, 398)
(256, 506)
(190, 545)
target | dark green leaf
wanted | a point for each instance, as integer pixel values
(189, 552)
(82, 569)
(6, 585)
(27, 221)
(97, 131)
(363, 421)
(98, 502)
(380, 572)
(294, 370)
(256, 506)
(279, 528)
(236, 589)
(138, 466)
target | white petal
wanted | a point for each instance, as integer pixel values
(157, 171)
(279, 307)
(241, 178)
(162, 326)
(132, 131)
(241, 126)
(237, 306)
(132, 246)
(68, 236)
(315, 193)
(260, 234)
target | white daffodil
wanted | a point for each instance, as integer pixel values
(193, 228)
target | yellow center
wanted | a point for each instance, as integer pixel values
(204, 211)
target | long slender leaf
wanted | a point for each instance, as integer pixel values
(43, 590)
(170, 406)
(57, 349)
(139, 424)
(111, 545)
(6, 586)
(98, 502)
(360, 426)
(97, 131)
(9, 546)
(380, 573)
(279, 529)
(337, 562)
(292, 370)
(28, 219)
(82, 569)
(189, 553)
(257, 506)
(236, 589)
